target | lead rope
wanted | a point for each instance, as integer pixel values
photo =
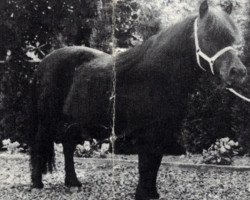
(212, 59)
(238, 94)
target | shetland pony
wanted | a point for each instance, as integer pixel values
(73, 92)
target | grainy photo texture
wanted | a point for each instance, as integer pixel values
(124, 99)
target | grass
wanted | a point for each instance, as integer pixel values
(174, 183)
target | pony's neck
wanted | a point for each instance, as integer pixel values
(170, 53)
(173, 49)
(176, 47)
(178, 40)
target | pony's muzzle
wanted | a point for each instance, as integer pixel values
(241, 72)
(238, 75)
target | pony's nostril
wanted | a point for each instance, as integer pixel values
(233, 71)
(243, 72)
(238, 72)
(237, 75)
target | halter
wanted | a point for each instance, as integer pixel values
(199, 53)
(212, 59)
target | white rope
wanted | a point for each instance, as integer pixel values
(238, 94)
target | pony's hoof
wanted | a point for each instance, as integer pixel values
(142, 194)
(154, 196)
(38, 185)
(72, 183)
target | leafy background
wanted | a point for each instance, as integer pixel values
(29, 30)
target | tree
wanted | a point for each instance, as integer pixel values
(40, 26)
(241, 109)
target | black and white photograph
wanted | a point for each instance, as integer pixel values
(124, 99)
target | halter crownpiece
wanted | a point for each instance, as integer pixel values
(212, 59)
(199, 52)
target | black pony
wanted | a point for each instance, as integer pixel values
(72, 92)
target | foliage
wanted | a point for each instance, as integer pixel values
(209, 116)
(214, 113)
(92, 149)
(38, 27)
(13, 147)
(58, 149)
(240, 109)
(247, 37)
(221, 152)
(135, 22)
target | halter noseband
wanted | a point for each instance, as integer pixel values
(199, 53)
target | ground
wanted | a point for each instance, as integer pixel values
(174, 182)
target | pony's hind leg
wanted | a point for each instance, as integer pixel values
(70, 141)
(37, 157)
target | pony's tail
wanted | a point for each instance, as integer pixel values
(41, 142)
(32, 114)
(32, 122)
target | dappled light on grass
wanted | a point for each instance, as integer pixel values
(174, 183)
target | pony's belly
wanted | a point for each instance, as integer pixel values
(88, 101)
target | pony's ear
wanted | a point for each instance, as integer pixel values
(228, 8)
(203, 8)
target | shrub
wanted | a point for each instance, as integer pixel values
(13, 147)
(49, 24)
(208, 117)
(67, 22)
(92, 149)
(221, 152)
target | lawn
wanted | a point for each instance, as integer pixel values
(102, 181)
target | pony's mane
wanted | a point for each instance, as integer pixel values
(178, 39)
(175, 37)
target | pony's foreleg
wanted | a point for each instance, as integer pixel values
(150, 156)
(69, 144)
(36, 174)
(148, 168)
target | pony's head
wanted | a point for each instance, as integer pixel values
(215, 35)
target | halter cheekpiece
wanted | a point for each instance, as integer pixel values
(199, 52)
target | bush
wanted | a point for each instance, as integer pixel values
(209, 116)
(41, 26)
(73, 22)
(221, 153)
(13, 147)
(92, 149)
